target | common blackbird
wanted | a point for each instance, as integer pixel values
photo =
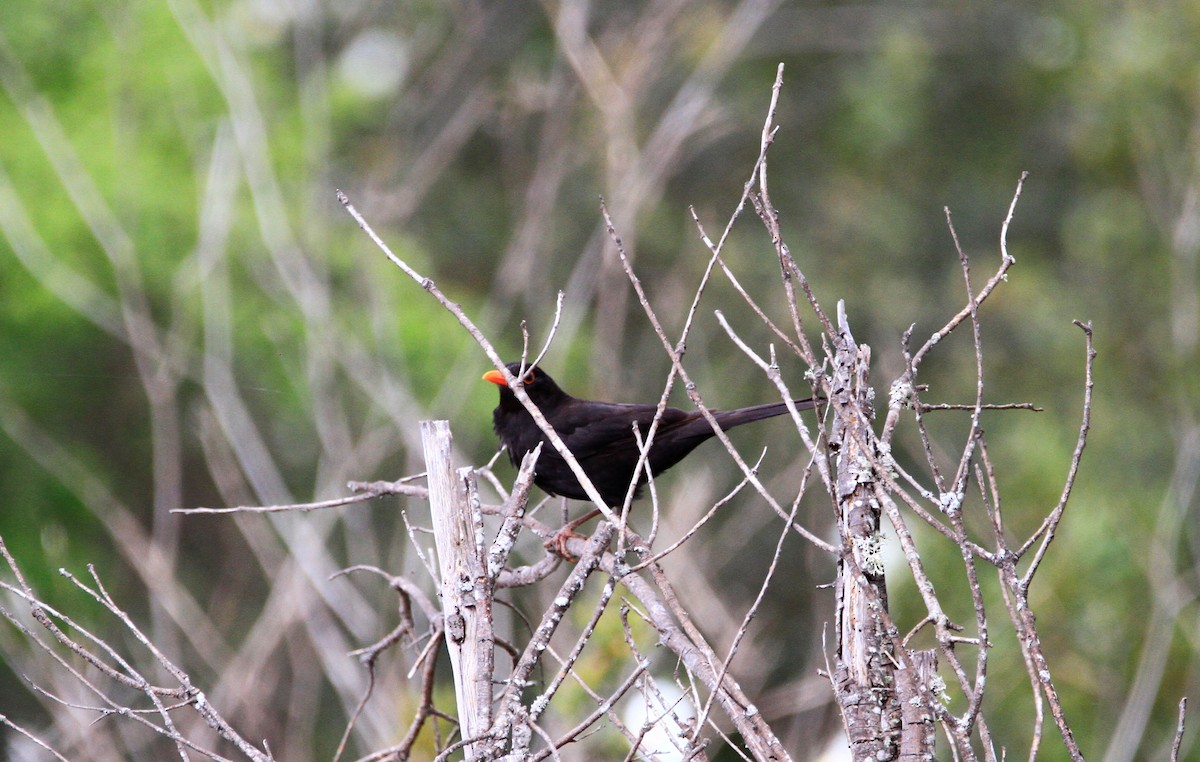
(600, 434)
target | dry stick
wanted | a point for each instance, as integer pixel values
(197, 698)
(523, 576)
(464, 587)
(951, 502)
(131, 678)
(553, 616)
(649, 724)
(905, 389)
(649, 688)
(643, 455)
(655, 512)
(604, 708)
(768, 133)
(403, 750)
(977, 341)
(915, 691)
(1016, 588)
(683, 616)
(733, 279)
(927, 407)
(1006, 568)
(599, 712)
(558, 305)
(525, 364)
(975, 696)
(693, 691)
(462, 743)
(701, 522)
(101, 596)
(358, 709)
(604, 702)
(384, 488)
(486, 472)
(1048, 527)
(18, 729)
(966, 546)
(772, 372)
(925, 587)
(1178, 742)
(770, 218)
(639, 468)
(425, 710)
(613, 717)
(750, 612)
(42, 612)
(953, 505)
(542, 701)
(536, 728)
(680, 346)
(766, 735)
(677, 362)
(699, 291)
(401, 584)
(896, 488)
(514, 511)
(421, 554)
(903, 659)
(864, 664)
(370, 655)
(113, 707)
(513, 382)
(1014, 603)
(1023, 617)
(1006, 261)
(677, 632)
(376, 489)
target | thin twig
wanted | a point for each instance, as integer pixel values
(1048, 527)
(677, 362)
(1179, 727)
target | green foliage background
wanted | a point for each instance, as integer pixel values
(889, 113)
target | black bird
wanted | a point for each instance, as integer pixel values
(600, 434)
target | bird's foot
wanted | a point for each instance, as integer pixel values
(557, 542)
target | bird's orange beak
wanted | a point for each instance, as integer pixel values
(496, 377)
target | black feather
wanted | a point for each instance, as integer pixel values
(600, 435)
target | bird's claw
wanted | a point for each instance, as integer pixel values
(557, 543)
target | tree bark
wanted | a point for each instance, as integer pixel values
(864, 670)
(465, 590)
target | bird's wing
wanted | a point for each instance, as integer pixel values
(600, 430)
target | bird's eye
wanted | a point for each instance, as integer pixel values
(530, 377)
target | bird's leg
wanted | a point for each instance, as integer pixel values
(558, 540)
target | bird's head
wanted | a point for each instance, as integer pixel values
(537, 383)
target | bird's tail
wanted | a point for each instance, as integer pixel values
(730, 418)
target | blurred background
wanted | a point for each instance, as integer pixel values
(189, 318)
